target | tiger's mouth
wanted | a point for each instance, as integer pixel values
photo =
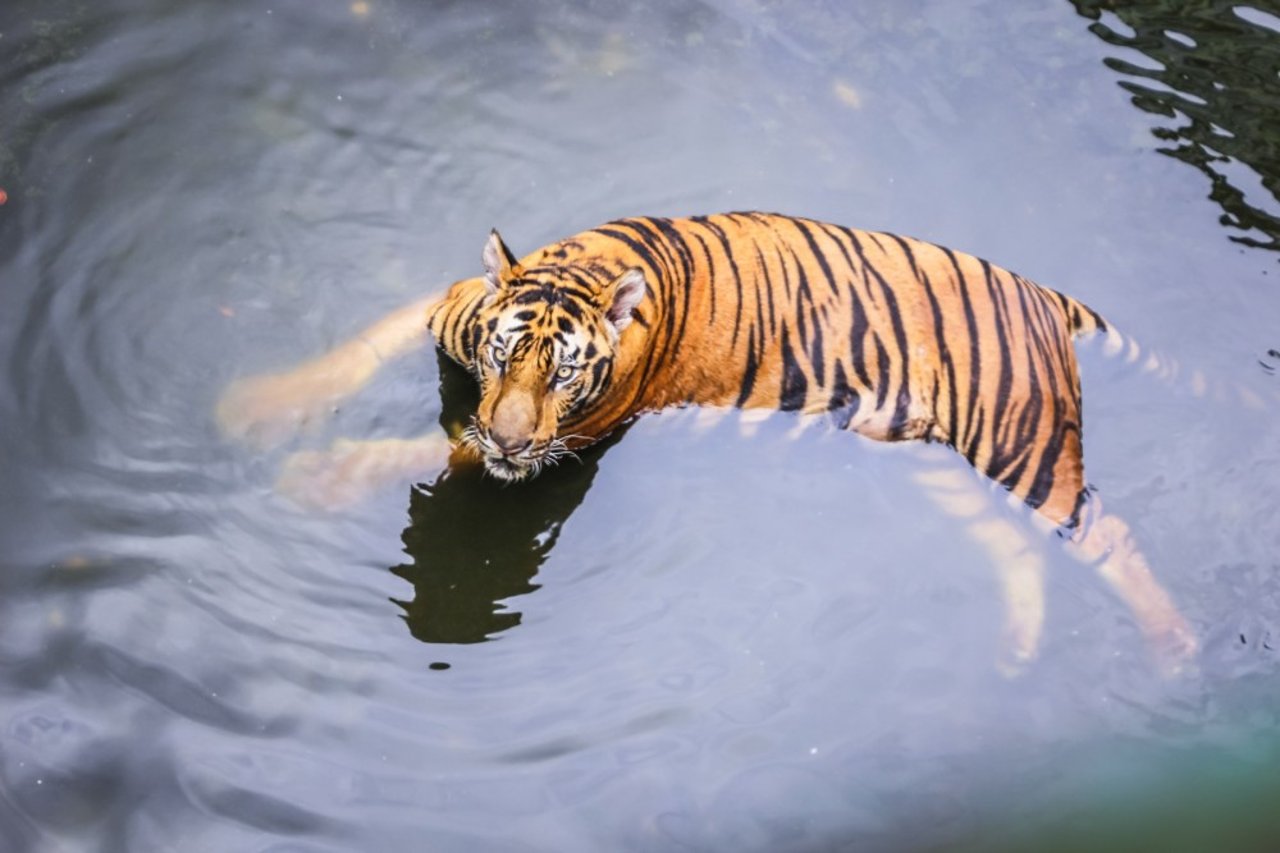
(506, 467)
(515, 466)
(510, 469)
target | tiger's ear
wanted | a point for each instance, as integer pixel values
(499, 263)
(622, 296)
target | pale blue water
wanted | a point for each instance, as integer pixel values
(723, 643)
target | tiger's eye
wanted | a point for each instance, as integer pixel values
(565, 372)
(498, 354)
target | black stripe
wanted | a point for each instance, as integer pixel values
(599, 373)
(971, 450)
(748, 375)
(641, 248)
(787, 286)
(706, 253)
(1010, 478)
(875, 238)
(471, 342)
(1009, 438)
(803, 227)
(804, 303)
(1028, 421)
(898, 423)
(1004, 386)
(737, 277)
(794, 389)
(817, 357)
(899, 336)
(965, 437)
(1042, 485)
(677, 241)
(572, 309)
(804, 293)
(844, 401)
(834, 233)
(471, 313)
(448, 327)
(860, 326)
(660, 350)
(727, 245)
(940, 340)
(882, 371)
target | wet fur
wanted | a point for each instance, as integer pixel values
(896, 338)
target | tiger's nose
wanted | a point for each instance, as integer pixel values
(512, 426)
(510, 445)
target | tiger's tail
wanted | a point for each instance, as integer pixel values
(1115, 344)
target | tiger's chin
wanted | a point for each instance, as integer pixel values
(509, 470)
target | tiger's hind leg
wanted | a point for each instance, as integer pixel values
(1106, 542)
(1017, 556)
(1099, 539)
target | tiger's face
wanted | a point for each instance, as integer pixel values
(544, 347)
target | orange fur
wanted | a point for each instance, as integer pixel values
(897, 338)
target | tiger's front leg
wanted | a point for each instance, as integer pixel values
(349, 471)
(268, 409)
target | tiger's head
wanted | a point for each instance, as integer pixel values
(544, 346)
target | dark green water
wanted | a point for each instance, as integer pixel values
(695, 640)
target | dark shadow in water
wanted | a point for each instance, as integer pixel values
(1220, 70)
(474, 541)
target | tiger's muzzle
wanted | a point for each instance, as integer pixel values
(505, 461)
(509, 463)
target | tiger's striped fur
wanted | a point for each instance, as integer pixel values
(895, 337)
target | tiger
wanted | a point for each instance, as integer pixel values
(887, 336)
(896, 338)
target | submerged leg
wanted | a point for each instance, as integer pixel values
(1102, 540)
(350, 471)
(267, 409)
(1017, 558)
(1107, 542)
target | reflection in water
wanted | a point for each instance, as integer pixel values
(1215, 77)
(475, 541)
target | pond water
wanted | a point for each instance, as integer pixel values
(697, 639)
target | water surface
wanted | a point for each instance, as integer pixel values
(695, 639)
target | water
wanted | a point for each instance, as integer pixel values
(695, 640)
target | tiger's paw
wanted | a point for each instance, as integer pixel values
(1023, 578)
(1175, 649)
(1016, 654)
